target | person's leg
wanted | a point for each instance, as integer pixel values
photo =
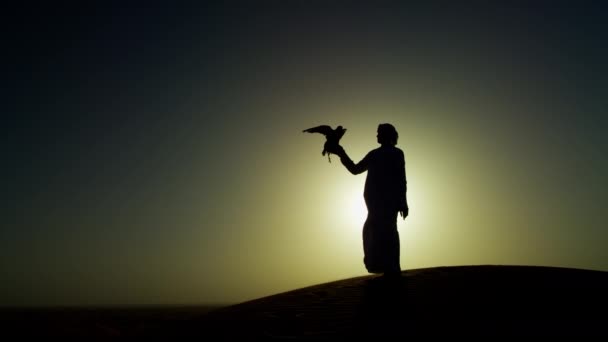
(391, 245)
(381, 244)
(372, 247)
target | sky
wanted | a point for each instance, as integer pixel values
(154, 154)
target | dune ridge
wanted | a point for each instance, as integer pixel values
(475, 300)
(495, 300)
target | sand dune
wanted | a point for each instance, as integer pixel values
(444, 301)
(441, 301)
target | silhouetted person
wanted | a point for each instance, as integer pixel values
(385, 197)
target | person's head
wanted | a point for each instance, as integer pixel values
(387, 134)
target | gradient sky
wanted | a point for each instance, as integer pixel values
(155, 155)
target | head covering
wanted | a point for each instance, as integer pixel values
(387, 134)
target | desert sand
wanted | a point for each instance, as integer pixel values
(486, 300)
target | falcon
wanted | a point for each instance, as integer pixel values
(332, 137)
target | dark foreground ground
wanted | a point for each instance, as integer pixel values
(442, 301)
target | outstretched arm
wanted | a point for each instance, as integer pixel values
(355, 169)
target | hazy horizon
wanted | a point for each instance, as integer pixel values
(156, 156)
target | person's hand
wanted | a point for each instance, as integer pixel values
(335, 149)
(404, 212)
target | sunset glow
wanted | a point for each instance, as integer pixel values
(157, 156)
